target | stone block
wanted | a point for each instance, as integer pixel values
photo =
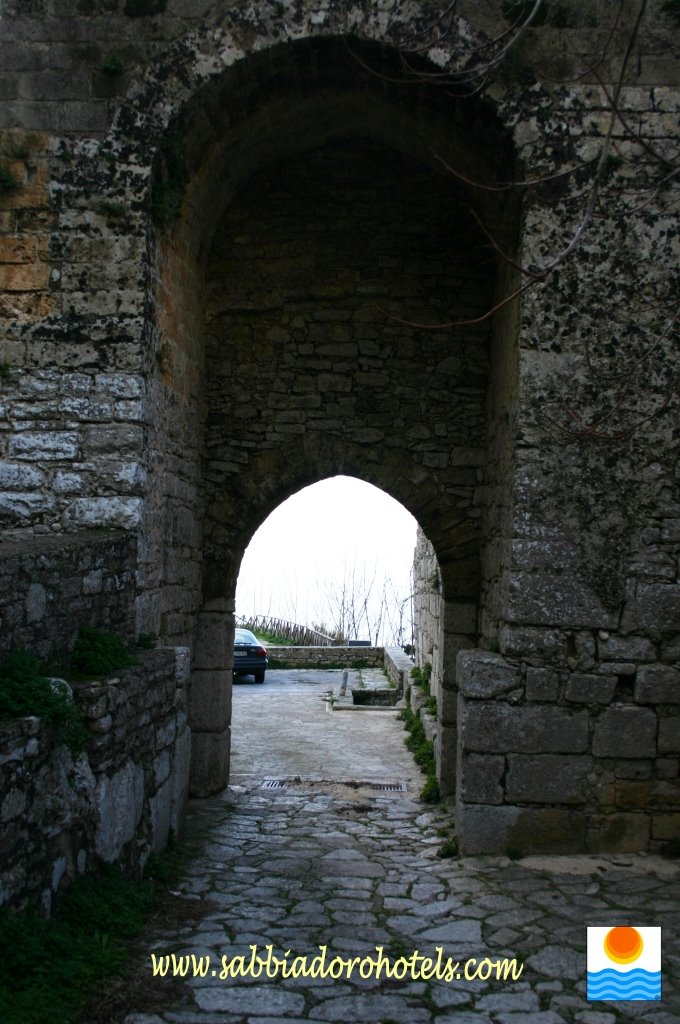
(23, 277)
(52, 446)
(210, 641)
(36, 602)
(547, 778)
(542, 684)
(93, 582)
(209, 762)
(638, 796)
(655, 609)
(181, 763)
(118, 800)
(531, 641)
(625, 732)
(460, 617)
(160, 810)
(446, 765)
(619, 833)
(497, 728)
(447, 704)
(482, 674)
(667, 767)
(657, 684)
(669, 735)
(519, 830)
(125, 513)
(18, 477)
(210, 700)
(625, 648)
(24, 505)
(550, 599)
(480, 778)
(161, 766)
(666, 826)
(590, 689)
(182, 664)
(17, 249)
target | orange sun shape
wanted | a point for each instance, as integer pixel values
(623, 945)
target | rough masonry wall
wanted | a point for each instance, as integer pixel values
(50, 587)
(312, 266)
(127, 140)
(116, 802)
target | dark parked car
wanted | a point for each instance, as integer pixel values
(250, 657)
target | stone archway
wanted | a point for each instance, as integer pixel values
(338, 237)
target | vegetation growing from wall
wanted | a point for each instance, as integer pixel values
(25, 690)
(98, 653)
(423, 754)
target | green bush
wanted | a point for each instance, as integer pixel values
(25, 691)
(430, 793)
(98, 653)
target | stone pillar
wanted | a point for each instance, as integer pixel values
(210, 698)
(522, 766)
(457, 633)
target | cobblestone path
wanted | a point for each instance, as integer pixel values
(318, 863)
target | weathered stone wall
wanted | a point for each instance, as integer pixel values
(311, 657)
(567, 759)
(194, 329)
(397, 665)
(51, 586)
(114, 803)
(428, 608)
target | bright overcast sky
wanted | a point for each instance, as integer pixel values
(318, 538)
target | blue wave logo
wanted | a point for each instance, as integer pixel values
(635, 984)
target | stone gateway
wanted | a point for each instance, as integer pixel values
(433, 246)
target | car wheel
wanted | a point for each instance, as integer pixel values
(259, 677)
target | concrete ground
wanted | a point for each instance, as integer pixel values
(326, 859)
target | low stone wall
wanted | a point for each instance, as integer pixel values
(398, 667)
(50, 586)
(317, 657)
(116, 802)
(562, 762)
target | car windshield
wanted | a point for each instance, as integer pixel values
(244, 636)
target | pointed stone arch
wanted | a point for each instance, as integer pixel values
(284, 386)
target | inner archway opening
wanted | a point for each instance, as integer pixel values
(335, 559)
(332, 274)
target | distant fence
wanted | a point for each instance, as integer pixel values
(302, 635)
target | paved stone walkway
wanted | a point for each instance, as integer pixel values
(352, 867)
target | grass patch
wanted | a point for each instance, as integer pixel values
(421, 676)
(449, 848)
(24, 690)
(50, 968)
(272, 638)
(423, 754)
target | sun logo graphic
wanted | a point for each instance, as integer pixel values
(624, 963)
